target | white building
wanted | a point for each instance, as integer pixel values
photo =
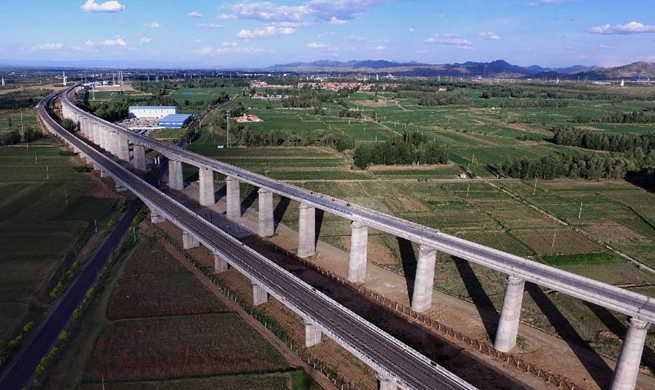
(151, 111)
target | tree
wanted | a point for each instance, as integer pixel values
(69, 125)
(362, 156)
(9, 124)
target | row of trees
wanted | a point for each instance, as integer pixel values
(532, 103)
(613, 142)
(587, 166)
(561, 92)
(410, 148)
(617, 117)
(431, 99)
(333, 139)
(14, 136)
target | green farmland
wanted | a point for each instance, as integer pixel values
(47, 211)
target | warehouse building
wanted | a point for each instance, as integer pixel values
(174, 121)
(151, 111)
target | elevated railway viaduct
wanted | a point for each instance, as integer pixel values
(639, 308)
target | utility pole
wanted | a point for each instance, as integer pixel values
(534, 190)
(580, 212)
(552, 245)
(228, 128)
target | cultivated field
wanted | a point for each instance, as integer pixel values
(47, 212)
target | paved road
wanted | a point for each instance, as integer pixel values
(378, 349)
(602, 294)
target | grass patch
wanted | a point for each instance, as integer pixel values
(580, 259)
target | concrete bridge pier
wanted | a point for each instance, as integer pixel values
(233, 196)
(155, 215)
(113, 142)
(266, 220)
(175, 177)
(220, 265)
(189, 241)
(259, 294)
(385, 382)
(510, 314)
(139, 160)
(123, 147)
(104, 139)
(95, 137)
(206, 196)
(312, 333)
(358, 252)
(307, 231)
(103, 173)
(424, 279)
(627, 367)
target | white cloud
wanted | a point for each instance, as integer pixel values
(490, 36)
(118, 41)
(107, 6)
(356, 38)
(227, 17)
(267, 11)
(605, 47)
(315, 45)
(48, 46)
(325, 34)
(152, 25)
(629, 28)
(195, 14)
(380, 48)
(210, 25)
(450, 40)
(411, 30)
(266, 32)
(327, 10)
(335, 20)
(145, 40)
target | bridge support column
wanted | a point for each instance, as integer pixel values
(189, 241)
(175, 177)
(259, 295)
(123, 147)
(312, 333)
(206, 196)
(385, 383)
(103, 173)
(104, 139)
(424, 279)
(220, 265)
(96, 136)
(113, 142)
(266, 221)
(358, 252)
(627, 367)
(510, 314)
(140, 157)
(233, 198)
(156, 216)
(307, 231)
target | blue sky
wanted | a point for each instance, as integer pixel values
(254, 34)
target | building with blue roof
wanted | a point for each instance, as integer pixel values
(174, 121)
(151, 111)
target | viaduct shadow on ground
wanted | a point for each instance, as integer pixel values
(598, 369)
(280, 210)
(249, 200)
(409, 263)
(481, 300)
(318, 224)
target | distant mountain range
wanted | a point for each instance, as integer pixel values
(496, 69)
